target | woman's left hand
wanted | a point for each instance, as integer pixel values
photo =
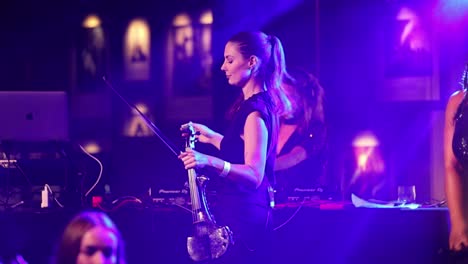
(193, 159)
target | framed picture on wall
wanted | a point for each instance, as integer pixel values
(410, 60)
(189, 67)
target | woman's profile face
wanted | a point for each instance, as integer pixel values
(235, 66)
(98, 246)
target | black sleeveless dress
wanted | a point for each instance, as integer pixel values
(247, 212)
(306, 174)
(460, 136)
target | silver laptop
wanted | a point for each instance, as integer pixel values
(33, 116)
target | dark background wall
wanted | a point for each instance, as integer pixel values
(342, 42)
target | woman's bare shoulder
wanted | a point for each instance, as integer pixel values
(456, 98)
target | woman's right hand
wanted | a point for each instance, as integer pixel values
(458, 238)
(202, 133)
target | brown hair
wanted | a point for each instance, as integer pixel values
(464, 83)
(70, 243)
(270, 51)
(308, 97)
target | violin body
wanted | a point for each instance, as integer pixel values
(208, 240)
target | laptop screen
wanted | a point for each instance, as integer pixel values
(33, 116)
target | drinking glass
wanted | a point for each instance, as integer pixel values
(406, 194)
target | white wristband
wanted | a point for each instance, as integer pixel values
(226, 169)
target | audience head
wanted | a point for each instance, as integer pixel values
(91, 238)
